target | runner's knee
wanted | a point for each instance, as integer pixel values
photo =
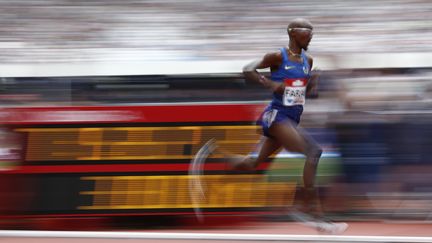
(314, 151)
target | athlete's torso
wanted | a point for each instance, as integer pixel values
(295, 75)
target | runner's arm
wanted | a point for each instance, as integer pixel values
(312, 87)
(270, 60)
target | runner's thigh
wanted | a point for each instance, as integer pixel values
(287, 134)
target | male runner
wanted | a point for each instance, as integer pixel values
(289, 82)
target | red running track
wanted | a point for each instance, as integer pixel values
(387, 229)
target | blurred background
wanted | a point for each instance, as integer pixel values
(70, 66)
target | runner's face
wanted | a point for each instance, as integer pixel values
(303, 36)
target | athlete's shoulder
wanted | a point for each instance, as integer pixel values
(309, 59)
(273, 59)
(275, 55)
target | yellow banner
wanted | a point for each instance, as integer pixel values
(173, 191)
(134, 143)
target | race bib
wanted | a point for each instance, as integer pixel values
(295, 92)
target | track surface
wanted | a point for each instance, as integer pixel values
(420, 231)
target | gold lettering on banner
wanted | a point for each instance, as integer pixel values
(134, 143)
(157, 192)
(92, 135)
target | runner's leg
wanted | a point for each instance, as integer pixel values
(310, 193)
(267, 145)
(295, 140)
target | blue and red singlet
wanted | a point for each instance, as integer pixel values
(288, 105)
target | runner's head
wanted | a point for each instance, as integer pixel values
(300, 31)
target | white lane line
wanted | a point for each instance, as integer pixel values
(209, 236)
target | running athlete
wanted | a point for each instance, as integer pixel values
(289, 82)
